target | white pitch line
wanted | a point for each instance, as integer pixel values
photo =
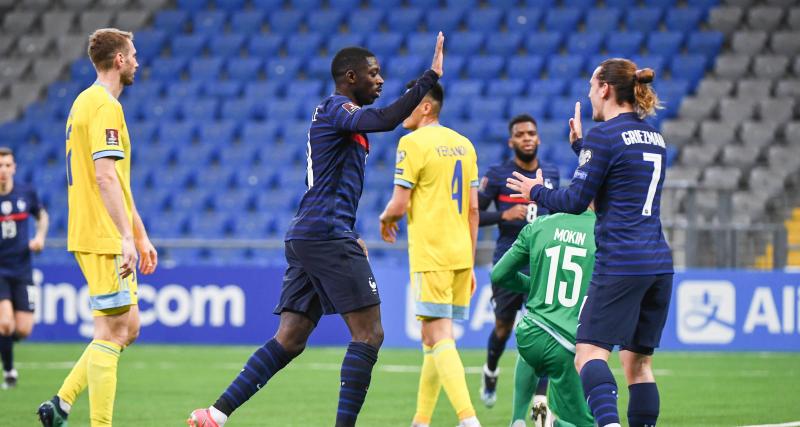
(789, 424)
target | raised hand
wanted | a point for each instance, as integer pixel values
(438, 56)
(575, 127)
(523, 185)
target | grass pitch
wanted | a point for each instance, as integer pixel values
(159, 385)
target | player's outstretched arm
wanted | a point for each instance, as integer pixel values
(111, 194)
(385, 119)
(394, 211)
(506, 272)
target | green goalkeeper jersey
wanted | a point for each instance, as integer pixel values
(560, 249)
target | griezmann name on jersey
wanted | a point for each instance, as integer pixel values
(621, 167)
(16, 208)
(560, 250)
(96, 129)
(441, 166)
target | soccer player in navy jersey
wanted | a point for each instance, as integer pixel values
(18, 203)
(511, 215)
(621, 166)
(328, 271)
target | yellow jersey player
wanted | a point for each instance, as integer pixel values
(105, 230)
(436, 180)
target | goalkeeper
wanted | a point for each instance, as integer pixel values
(560, 251)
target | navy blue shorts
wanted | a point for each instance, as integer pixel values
(326, 277)
(16, 290)
(629, 311)
(507, 303)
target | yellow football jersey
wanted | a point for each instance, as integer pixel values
(95, 128)
(440, 166)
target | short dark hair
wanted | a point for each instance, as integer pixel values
(436, 92)
(6, 151)
(349, 58)
(522, 118)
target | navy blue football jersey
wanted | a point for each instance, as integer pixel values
(336, 151)
(16, 208)
(621, 167)
(493, 190)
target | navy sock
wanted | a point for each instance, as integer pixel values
(262, 365)
(495, 349)
(643, 405)
(7, 351)
(541, 387)
(356, 375)
(600, 390)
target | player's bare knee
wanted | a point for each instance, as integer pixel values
(6, 327)
(133, 335)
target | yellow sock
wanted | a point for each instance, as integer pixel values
(429, 386)
(101, 372)
(452, 377)
(76, 381)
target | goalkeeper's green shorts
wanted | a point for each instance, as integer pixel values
(549, 358)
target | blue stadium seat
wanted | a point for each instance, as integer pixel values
(175, 135)
(506, 88)
(295, 132)
(339, 41)
(235, 156)
(578, 4)
(535, 106)
(226, 45)
(578, 89)
(223, 89)
(252, 225)
(505, 44)
(285, 21)
(688, 67)
(209, 225)
(169, 226)
(67, 91)
(485, 20)
(265, 45)
(261, 90)
(562, 20)
(196, 155)
(244, 69)
(486, 108)
(145, 89)
(184, 89)
(683, 19)
(446, 20)
(460, 43)
(246, 21)
(203, 109)
(565, 67)
(259, 133)
(205, 69)
(267, 4)
(405, 68)
(192, 5)
(523, 21)
(282, 69)
(472, 129)
(404, 20)
(496, 130)
(303, 44)
(645, 19)
(324, 21)
(305, 4)
(384, 44)
(301, 89)
(214, 177)
(543, 43)
(585, 43)
(665, 43)
(502, 4)
(241, 109)
(624, 44)
(209, 21)
(602, 20)
(229, 5)
(188, 45)
(423, 4)
(149, 43)
(286, 109)
(621, 4)
(344, 4)
(664, 4)
(83, 71)
(705, 4)
(707, 43)
(143, 132)
(171, 21)
(220, 133)
(419, 43)
(318, 67)
(656, 62)
(671, 92)
(363, 21)
(161, 109)
(464, 88)
(485, 67)
(525, 67)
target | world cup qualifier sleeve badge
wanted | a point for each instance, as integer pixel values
(112, 137)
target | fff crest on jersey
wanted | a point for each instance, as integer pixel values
(21, 205)
(401, 155)
(585, 156)
(6, 207)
